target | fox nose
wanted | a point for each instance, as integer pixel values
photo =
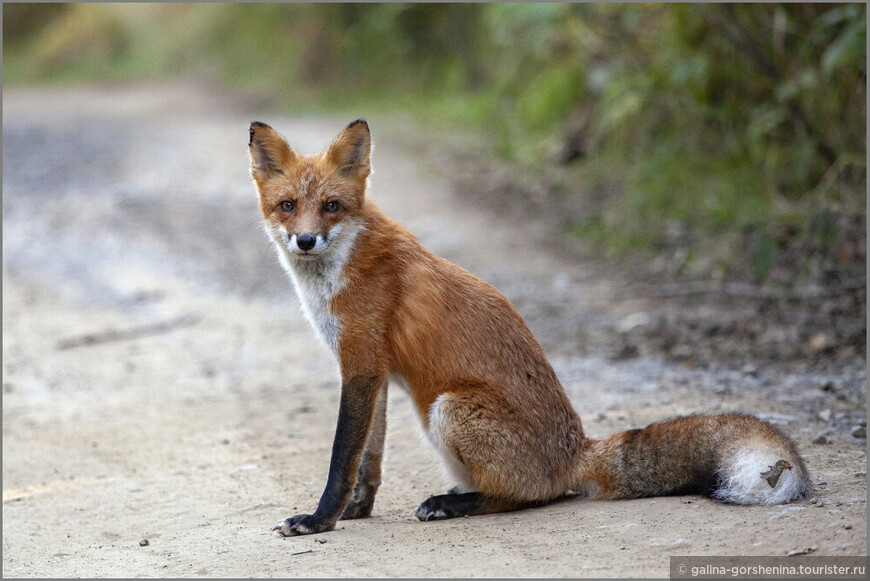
(305, 241)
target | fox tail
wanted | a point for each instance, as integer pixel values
(734, 458)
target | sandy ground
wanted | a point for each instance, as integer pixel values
(160, 383)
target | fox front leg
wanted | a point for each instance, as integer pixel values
(359, 395)
(369, 479)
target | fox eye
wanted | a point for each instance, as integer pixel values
(330, 207)
(287, 206)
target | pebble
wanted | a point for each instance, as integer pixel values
(825, 415)
(320, 540)
(633, 321)
(860, 432)
(820, 439)
(627, 351)
(847, 527)
(144, 543)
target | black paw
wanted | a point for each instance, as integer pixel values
(432, 509)
(451, 506)
(302, 524)
(440, 507)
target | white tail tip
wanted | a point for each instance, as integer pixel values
(753, 476)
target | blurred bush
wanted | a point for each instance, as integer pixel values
(703, 120)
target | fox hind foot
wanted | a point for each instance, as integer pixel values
(452, 505)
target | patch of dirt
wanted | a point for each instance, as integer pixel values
(160, 383)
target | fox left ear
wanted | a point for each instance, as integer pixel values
(351, 151)
(270, 154)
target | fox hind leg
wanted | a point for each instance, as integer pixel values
(493, 455)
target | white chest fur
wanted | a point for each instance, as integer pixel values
(318, 281)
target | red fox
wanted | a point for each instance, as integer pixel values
(488, 399)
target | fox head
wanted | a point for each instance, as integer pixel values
(309, 202)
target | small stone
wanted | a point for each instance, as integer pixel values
(633, 321)
(627, 351)
(144, 543)
(320, 540)
(818, 341)
(860, 432)
(820, 439)
(825, 415)
(847, 527)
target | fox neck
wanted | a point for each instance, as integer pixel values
(317, 281)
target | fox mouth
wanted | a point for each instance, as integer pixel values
(308, 254)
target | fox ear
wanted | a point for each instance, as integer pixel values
(351, 151)
(270, 154)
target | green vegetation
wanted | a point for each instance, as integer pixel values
(741, 126)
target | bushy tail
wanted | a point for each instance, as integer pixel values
(731, 457)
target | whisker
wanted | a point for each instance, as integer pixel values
(254, 222)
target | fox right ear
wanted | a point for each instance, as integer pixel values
(270, 153)
(351, 151)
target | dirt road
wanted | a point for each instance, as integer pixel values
(165, 403)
